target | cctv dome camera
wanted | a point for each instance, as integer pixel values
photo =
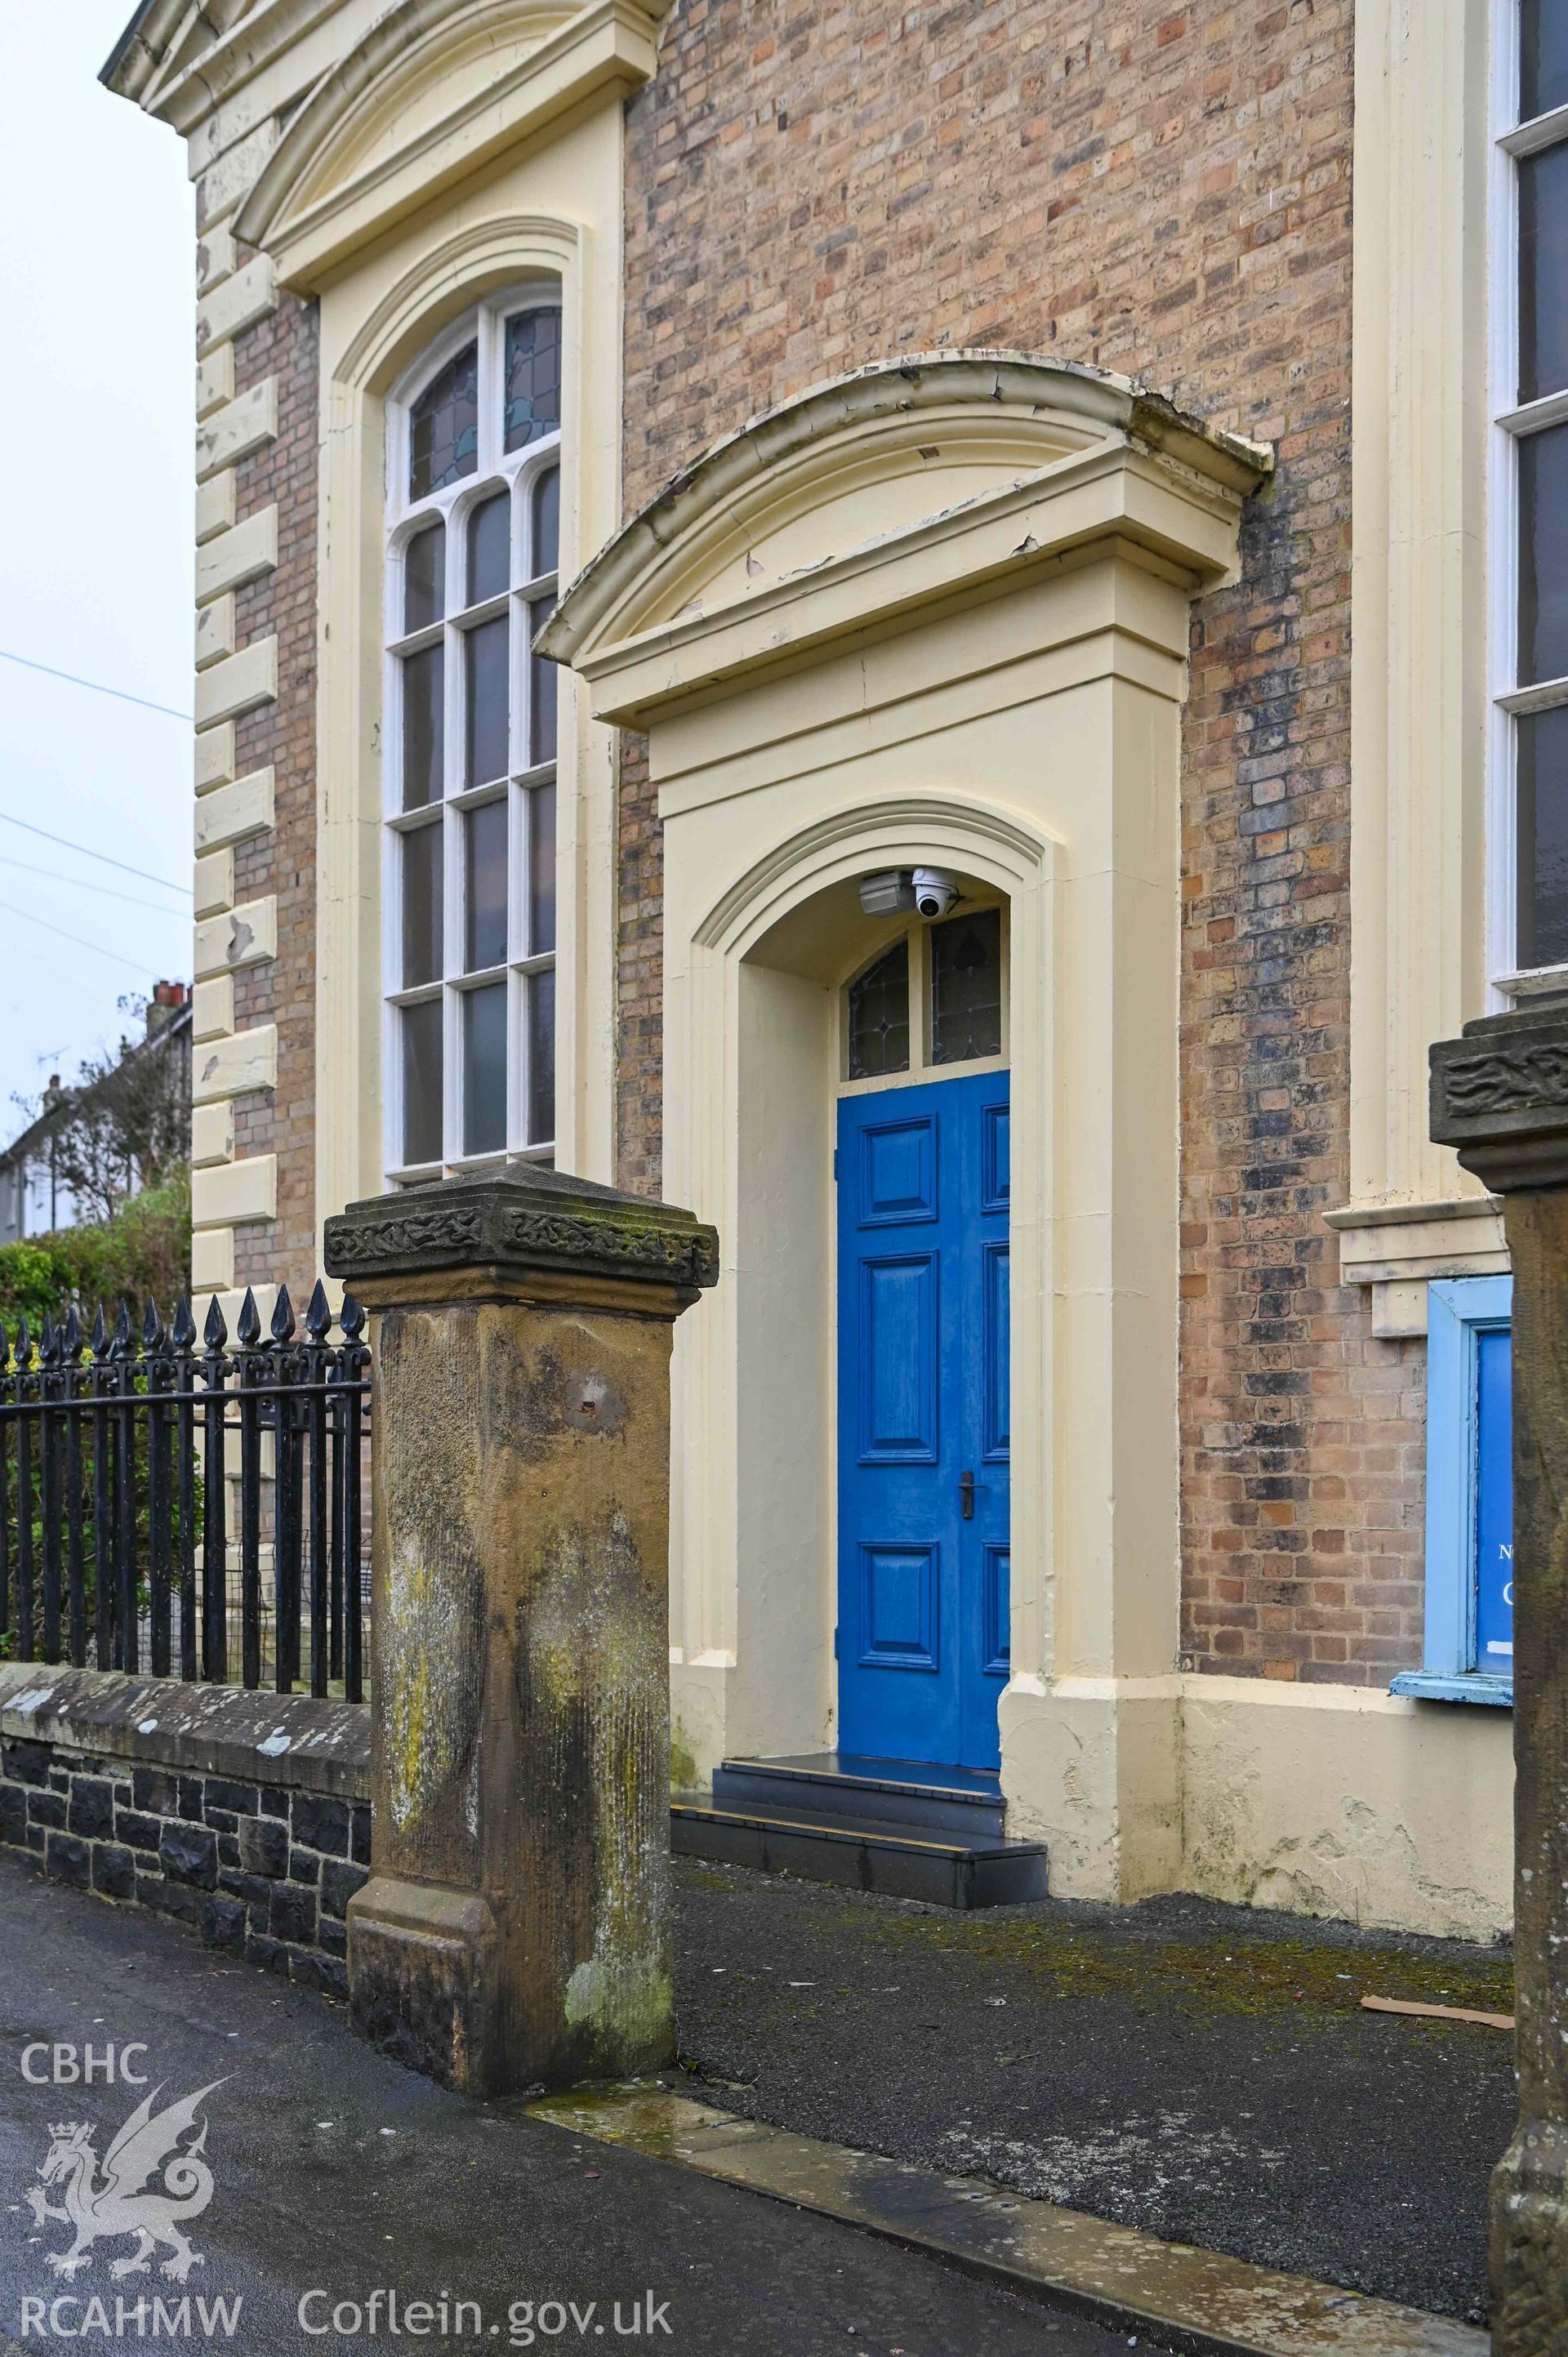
(935, 891)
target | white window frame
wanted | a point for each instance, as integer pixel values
(1511, 423)
(518, 471)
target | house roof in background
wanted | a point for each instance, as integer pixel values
(56, 1106)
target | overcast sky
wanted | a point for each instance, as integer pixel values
(97, 269)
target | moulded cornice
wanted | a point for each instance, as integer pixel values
(180, 60)
(543, 58)
(138, 54)
(228, 43)
(657, 614)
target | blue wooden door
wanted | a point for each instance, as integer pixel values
(923, 1420)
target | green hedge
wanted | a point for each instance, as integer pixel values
(140, 1254)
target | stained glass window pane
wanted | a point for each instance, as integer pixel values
(484, 882)
(966, 988)
(484, 1069)
(879, 1017)
(1543, 57)
(1543, 273)
(1544, 837)
(422, 866)
(546, 527)
(444, 426)
(532, 392)
(422, 1082)
(1543, 556)
(485, 656)
(424, 578)
(540, 988)
(423, 678)
(540, 870)
(541, 692)
(489, 548)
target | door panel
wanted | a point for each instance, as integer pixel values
(923, 1401)
(997, 1345)
(897, 1172)
(897, 1360)
(898, 1606)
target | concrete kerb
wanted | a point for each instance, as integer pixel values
(1182, 2299)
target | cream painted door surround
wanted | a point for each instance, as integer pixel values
(936, 611)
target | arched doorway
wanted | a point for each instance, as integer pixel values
(933, 614)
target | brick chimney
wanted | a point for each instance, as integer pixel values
(165, 1004)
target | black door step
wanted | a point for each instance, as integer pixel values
(964, 1801)
(864, 1853)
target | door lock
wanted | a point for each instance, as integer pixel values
(966, 1496)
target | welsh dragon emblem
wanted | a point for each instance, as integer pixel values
(149, 2187)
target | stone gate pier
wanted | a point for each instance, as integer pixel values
(1499, 1094)
(515, 1929)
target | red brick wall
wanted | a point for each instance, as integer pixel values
(283, 990)
(817, 184)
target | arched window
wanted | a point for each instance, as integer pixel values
(472, 533)
(937, 997)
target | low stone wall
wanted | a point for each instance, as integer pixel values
(245, 1815)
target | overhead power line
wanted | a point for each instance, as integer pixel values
(75, 680)
(137, 965)
(66, 845)
(110, 891)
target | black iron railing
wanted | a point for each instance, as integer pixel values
(160, 1503)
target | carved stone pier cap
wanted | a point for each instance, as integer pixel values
(519, 1231)
(1499, 1094)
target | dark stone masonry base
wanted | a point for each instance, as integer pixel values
(244, 1815)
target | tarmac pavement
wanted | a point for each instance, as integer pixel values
(1204, 2072)
(339, 2174)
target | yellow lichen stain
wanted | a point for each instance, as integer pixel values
(592, 1635)
(682, 1760)
(422, 1666)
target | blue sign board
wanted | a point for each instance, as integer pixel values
(1494, 1502)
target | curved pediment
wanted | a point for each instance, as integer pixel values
(885, 474)
(901, 479)
(435, 90)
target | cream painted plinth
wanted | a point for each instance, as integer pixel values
(935, 614)
(1339, 1801)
